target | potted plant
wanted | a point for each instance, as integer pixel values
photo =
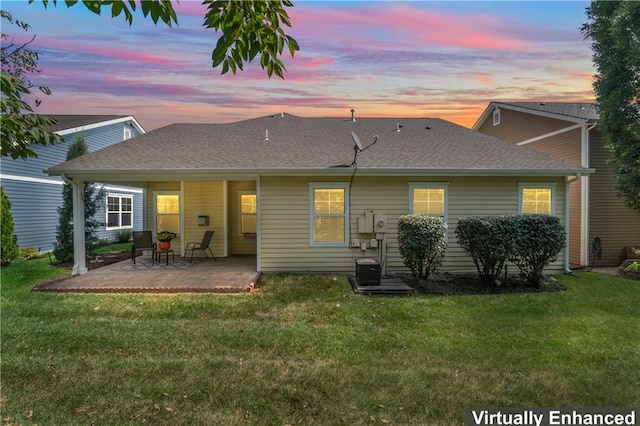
(164, 240)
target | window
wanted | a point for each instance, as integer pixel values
(496, 116)
(428, 198)
(119, 211)
(329, 213)
(536, 198)
(248, 213)
(126, 134)
(167, 209)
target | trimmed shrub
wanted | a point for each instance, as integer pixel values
(8, 240)
(488, 240)
(537, 243)
(422, 243)
(123, 236)
(29, 253)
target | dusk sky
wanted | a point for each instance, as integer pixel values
(445, 59)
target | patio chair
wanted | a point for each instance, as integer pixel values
(203, 245)
(142, 240)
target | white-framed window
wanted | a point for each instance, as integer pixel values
(429, 198)
(119, 211)
(329, 214)
(496, 116)
(167, 211)
(126, 134)
(537, 198)
(248, 211)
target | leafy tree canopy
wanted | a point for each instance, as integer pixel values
(19, 126)
(615, 31)
(248, 28)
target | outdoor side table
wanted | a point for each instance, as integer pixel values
(157, 256)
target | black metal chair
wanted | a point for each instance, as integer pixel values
(203, 245)
(142, 240)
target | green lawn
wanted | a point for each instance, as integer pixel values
(304, 350)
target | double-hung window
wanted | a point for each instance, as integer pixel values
(248, 213)
(119, 211)
(167, 212)
(429, 199)
(537, 198)
(329, 214)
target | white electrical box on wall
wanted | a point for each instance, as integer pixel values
(380, 221)
(368, 220)
(362, 227)
(355, 242)
(373, 243)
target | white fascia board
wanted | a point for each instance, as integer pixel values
(485, 114)
(130, 176)
(540, 113)
(72, 130)
(552, 134)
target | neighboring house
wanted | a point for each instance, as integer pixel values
(288, 190)
(569, 131)
(35, 196)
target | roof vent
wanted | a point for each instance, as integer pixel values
(398, 126)
(353, 115)
(282, 114)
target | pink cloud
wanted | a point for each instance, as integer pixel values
(119, 53)
(417, 25)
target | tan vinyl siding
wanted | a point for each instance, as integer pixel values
(285, 219)
(517, 126)
(204, 199)
(610, 219)
(238, 243)
(568, 146)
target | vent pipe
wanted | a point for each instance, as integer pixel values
(353, 115)
(266, 135)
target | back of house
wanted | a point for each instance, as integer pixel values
(569, 131)
(35, 196)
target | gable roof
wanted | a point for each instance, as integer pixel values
(575, 112)
(287, 144)
(68, 123)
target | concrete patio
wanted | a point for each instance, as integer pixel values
(236, 274)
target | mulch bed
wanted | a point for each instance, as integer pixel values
(103, 259)
(465, 284)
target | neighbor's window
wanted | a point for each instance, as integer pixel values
(248, 213)
(126, 134)
(167, 208)
(329, 212)
(536, 198)
(496, 116)
(119, 211)
(428, 198)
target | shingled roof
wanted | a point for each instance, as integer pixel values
(285, 143)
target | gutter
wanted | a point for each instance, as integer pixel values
(567, 270)
(66, 178)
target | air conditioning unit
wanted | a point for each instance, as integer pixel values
(367, 272)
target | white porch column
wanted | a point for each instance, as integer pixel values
(79, 250)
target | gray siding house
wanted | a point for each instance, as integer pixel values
(294, 192)
(35, 196)
(569, 131)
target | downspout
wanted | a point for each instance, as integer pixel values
(568, 182)
(585, 203)
(66, 179)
